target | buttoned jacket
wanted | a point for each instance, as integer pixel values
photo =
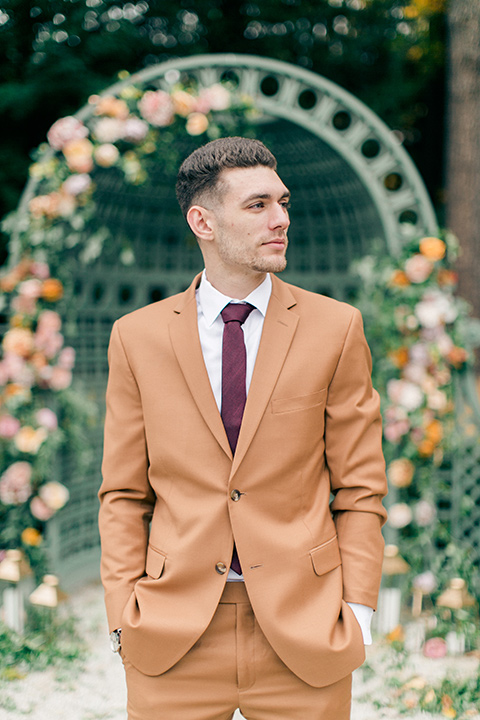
(301, 497)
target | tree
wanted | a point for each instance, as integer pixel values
(463, 142)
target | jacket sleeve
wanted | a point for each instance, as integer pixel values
(126, 497)
(353, 448)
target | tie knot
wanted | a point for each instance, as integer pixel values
(237, 312)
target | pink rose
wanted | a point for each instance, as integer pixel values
(65, 130)
(30, 288)
(9, 426)
(426, 582)
(47, 419)
(15, 487)
(424, 513)
(24, 305)
(60, 379)
(418, 268)
(156, 107)
(435, 648)
(66, 359)
(215, 97)
(40, 510)
(134, 130)
(76, 185)
(40, 270)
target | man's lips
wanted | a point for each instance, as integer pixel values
(276, 241)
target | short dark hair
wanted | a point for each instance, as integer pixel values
(200, 171)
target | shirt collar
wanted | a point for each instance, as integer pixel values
(212, 301)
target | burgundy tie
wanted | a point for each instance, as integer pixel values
(234, 367)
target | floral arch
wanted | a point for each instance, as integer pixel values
(99, 212)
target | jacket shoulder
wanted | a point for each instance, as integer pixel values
(308, 301)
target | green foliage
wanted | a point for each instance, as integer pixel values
(388, 52)
(49, 640)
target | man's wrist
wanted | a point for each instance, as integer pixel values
(115, 640)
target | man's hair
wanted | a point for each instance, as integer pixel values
(200, 171)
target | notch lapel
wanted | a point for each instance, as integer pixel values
(277, 335)
(187, 348)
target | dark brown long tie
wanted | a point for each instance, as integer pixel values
(234, 367)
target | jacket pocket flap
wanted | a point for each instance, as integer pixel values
(302, 402)
(155, 563)
(326, 557)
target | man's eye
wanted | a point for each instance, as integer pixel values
(286, 204)
(257, 205)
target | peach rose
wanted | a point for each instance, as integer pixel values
(106, 155)
(215, 97)
(111, 106)
(60, 379)
(399, 279)
(183, 102)
(400, 472)
(28, 440)
(197, 123)
(433, 248)
(78, 154)
(54, 495)
(18, 341)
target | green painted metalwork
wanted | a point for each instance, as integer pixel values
(352, 184)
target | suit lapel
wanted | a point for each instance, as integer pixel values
(278, 331)
(187, 348)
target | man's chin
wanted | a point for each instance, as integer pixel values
(270, 265)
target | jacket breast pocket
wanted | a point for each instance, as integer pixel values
(301, 402)
(155, 563)
(326, 557)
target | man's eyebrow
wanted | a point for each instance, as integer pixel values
(265, 196)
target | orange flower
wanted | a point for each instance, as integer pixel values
(457, 356)
(400, 472)
(399, 357)
(396, 635)
(399, 279)
(434, 431)
(31, 536)
(52, 290)
(433, 248)
(447, 277)
(426, 448)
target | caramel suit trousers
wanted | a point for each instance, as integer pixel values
(233, 666)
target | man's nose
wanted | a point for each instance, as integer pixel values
(279, 217)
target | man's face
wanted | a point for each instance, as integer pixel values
(250, 220)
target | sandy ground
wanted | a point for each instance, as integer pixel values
(96, 690)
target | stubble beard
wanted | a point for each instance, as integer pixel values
(233, 254)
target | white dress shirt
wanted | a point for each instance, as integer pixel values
(210, 303)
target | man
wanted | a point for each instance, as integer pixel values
(231, 580)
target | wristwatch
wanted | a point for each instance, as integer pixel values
(115, 640)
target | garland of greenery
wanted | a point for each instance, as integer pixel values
(39, 411)
(421, 337)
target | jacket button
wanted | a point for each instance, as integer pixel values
(235, 495)
(221, 568)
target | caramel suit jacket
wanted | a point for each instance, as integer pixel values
(308, 469)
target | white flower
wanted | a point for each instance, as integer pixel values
(109, 129)
(404, 393)
(54, 495)
(399, 515)
(435, 309)
(77, 184)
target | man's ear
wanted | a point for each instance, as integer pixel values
(201, 222)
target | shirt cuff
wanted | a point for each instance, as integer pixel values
(364, 615)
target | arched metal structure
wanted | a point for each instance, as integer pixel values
(352, 184)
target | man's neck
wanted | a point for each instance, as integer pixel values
(235, 286)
